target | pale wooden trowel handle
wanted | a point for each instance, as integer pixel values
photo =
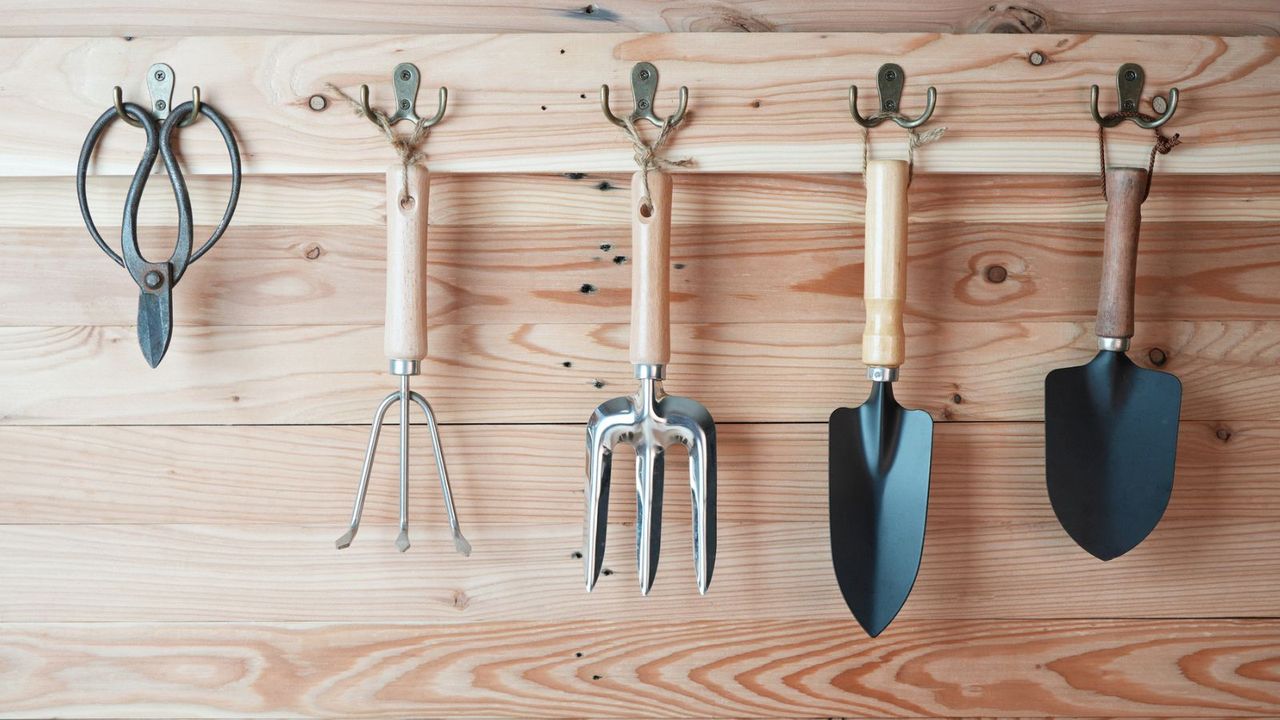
(1126, 188)
(650, 271)
(406, 326)
(885, 259)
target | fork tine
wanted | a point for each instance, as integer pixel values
(459, 542)
(378, 416)
(649, 471)
(599, 470)
(702, 479)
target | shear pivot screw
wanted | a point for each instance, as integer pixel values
(153, 280)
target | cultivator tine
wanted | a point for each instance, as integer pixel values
(459, 542)
(702, 481)
(650, 462)
(379, 416)
(600, 461)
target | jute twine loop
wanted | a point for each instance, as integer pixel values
(914, 140)
(407, 147)
(1162, 146)
(646, 155)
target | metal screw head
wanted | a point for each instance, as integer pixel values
(891, 75)
(404, 104)
(1036, 58)
(404, 75)
(1159, 104)
(642, 104)
(644, 74)
(890, 105)
(1128, 105)
(997, 274)
(161, 105)
(153, 280)
(160, 75)
(1131, 75)
(318, 102)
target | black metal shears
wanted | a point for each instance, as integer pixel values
(156, 280)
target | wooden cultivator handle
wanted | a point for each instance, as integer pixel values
(650, 271)
(406, 326)
(1126, 188)
(885, 260)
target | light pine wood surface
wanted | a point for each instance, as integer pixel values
(770, 102)
(166, 537)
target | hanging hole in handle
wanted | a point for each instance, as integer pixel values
(646, 210)
(407, 202)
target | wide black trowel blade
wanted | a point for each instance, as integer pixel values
(879, 463)
(1111, 436)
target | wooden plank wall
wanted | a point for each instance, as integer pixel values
(166, 536)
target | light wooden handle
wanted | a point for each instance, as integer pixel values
(1126, 188)
(650, 263)
(885, 259)
(406, 327)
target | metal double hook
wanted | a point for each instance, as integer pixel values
(1129, 81)
(406, 79)
(160, 87)
(890, 79)
(644, 88)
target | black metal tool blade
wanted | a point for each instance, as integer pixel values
(880, 456)
(1111, 436)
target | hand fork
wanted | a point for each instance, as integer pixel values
(651, 420)
(406, 342)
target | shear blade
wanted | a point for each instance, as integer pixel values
(155, 326)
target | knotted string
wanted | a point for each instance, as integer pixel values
(407, 147)
(646, 155)
(1162, 146)
(914, 140)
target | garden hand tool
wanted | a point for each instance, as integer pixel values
(880, 453)
(651, 420)
(1111, 427)
(156, 280)
(408, 188)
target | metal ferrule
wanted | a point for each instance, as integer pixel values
(882, 374)
(1113, 344)
(405, 367)
(657, 372)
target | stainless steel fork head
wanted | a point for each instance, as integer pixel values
(651, 421)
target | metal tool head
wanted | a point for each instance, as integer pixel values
(1111, 437)
(880, 456)
(404, 396)
(651, 421)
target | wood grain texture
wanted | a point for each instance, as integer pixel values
(598, 199)
(884, 264)
(624, 668)
(1126, 188)
(651, 270)
(306, 475)
(787, 114)
(517, 373)
(720, 274)
(148, 17)
(1015, 568)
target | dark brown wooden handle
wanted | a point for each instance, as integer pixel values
(1126, 189)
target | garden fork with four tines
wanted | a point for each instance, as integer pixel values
(651, 420)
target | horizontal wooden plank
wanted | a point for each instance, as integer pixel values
(133, 18)
(625, 668)
(558, 373)
(1190, 567)
(786, 112)
(994, 548)
(602, 199)
(984, 474)
(721, 274)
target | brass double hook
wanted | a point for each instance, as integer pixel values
(406, 79)
(890, 79)
(160, 87)
(644, 87)
(1129, 81)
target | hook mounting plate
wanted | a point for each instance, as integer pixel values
(644, 90)
(160, 88)
(1130, 79)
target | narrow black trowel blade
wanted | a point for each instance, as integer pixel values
(879, 462)
(1111, 436)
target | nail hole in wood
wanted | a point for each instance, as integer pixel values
(1157, 356)
(587, 288)
(997, 274)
